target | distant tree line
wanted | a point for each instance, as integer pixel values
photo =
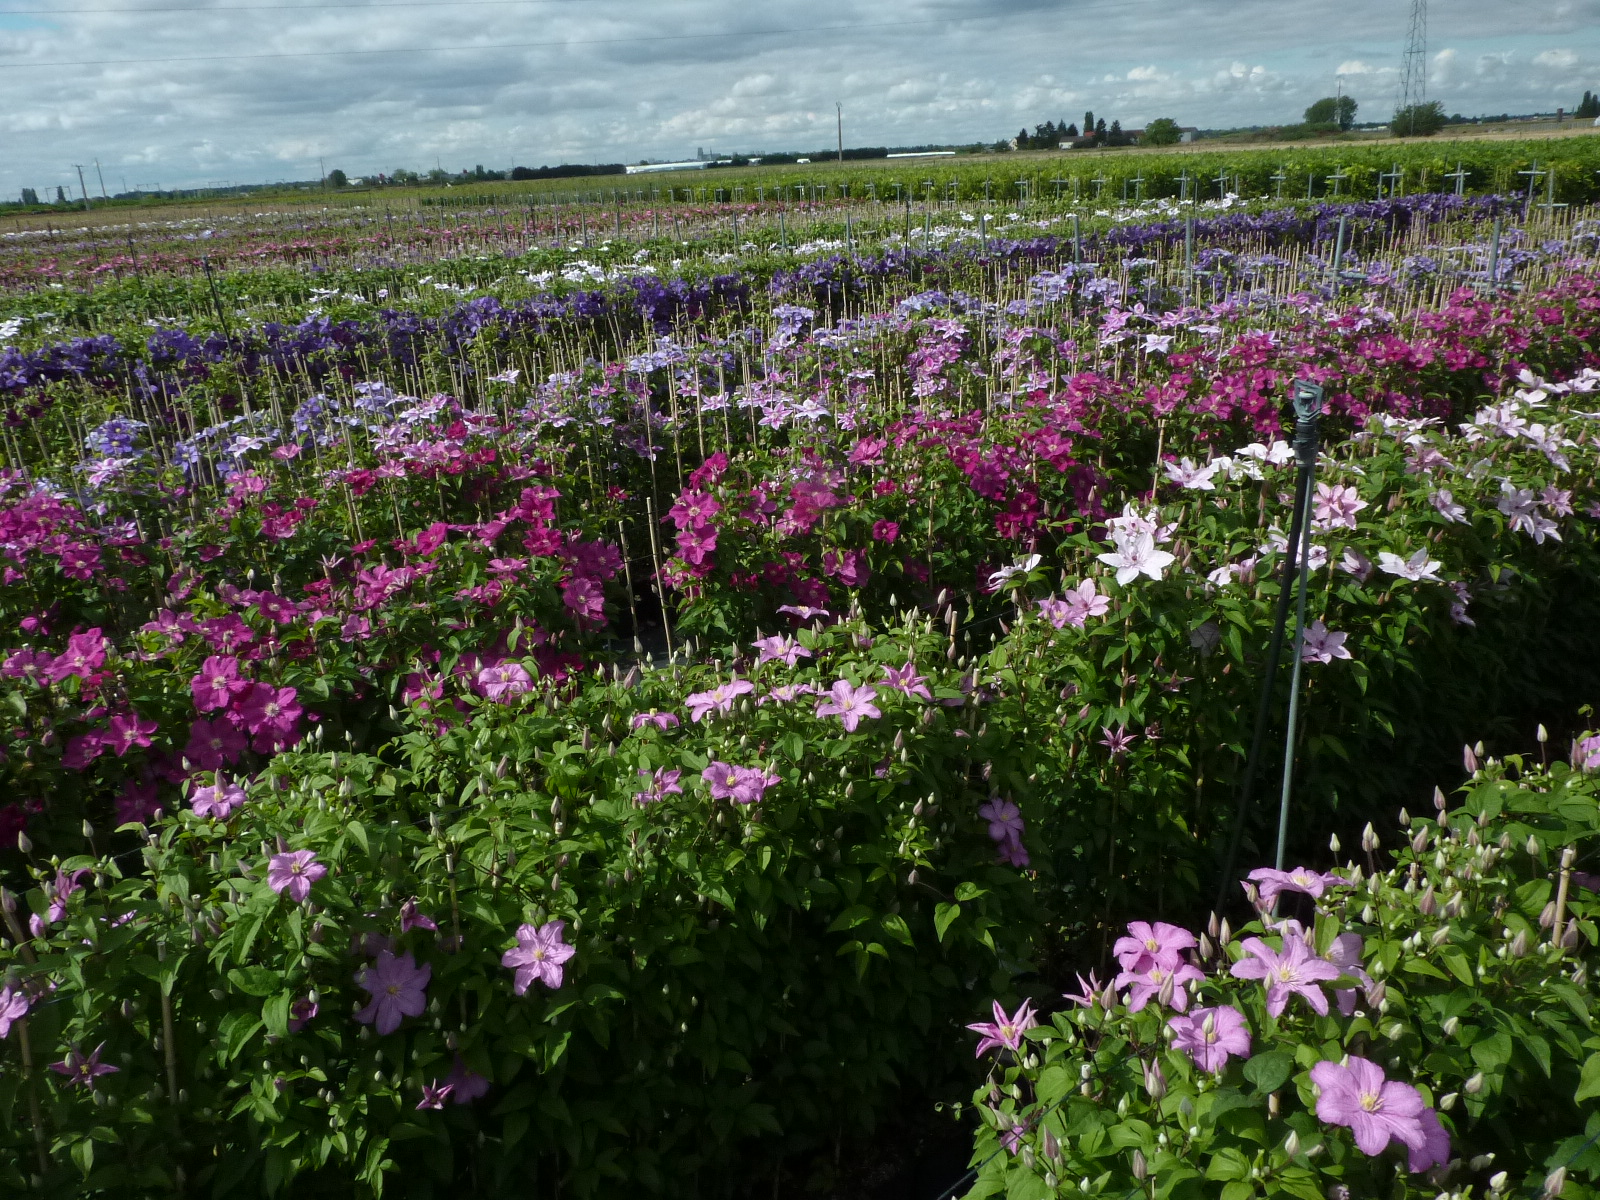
(1588, 107)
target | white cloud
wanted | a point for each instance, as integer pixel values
(1558, 59)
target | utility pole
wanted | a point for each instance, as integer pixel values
(840, 110)
(102, 180)
(83, 187)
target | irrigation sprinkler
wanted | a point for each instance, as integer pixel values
(1460, 176)
(1307, 408)
(1138, 188)
(1307, 400)
(1188, 258)
(986, 196)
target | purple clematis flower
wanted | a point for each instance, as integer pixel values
(663, 783)
(742, 785)
(14, 1005)
(81, 1070)
(662, 721)
(779, 648)
(539, 954)
(219, 800)
(434, 1094)
(397, 986)
(1378, 1110)
(466, 1085)
(1295, 970)
(1005, 1031)
(411, 919)
(718, 699)
(294, 873)
(1210, 1036)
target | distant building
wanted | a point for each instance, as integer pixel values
(656, 168)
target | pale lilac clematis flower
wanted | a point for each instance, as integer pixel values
(397, 986)
(1319, 644)
(1377, 1110)
(1356, 564)
(1137, 556)
(1161, 981)
(294, 873)
(662, 721)
(1345, 954)
(1295, 970)
(1447, 506)
(742, 785)
(1336, 506)
(1418, 568)
(82, 1070)
(1006, 1032)
(850, 704)
(1092, 987)
(1186, 475)
(539, 955)
(219, 800)
(1210, 1036)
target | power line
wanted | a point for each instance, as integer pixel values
(675, 37)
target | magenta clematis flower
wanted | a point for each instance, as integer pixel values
(539, 954)
(85, 654)
(1378, 1110)
(218, 800)
(906, 681)
(14, 1005)
(434, 1095)
(1147, 944)
(850, 704)
(129, 730)
(397, 986)
(217, 683)
(466, 1085)
(272, 713)
(504, 681)
(1092, 987)
(1270, 882)
(301, 1013)
(1006, 1032)
(1319, 644)
(1295, 970)
(1210, 1036)
(214, 744)
(294, 872)
(1116, 740)
(742, 785)
(82, 1070)
(779, 648)
(719, 699)
(1159, 978)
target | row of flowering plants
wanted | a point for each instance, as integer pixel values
(1411, 1024)
(596, 937)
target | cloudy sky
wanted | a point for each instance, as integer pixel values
(195, 92)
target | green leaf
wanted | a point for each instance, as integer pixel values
(1456, 960)
(1239, 1189)
(275, 1014)
(944, 916)
(1228, 1163)
(1419, 966)
(849, 918)
(970, 891)
(895, 926)
(1492, 1053)
(254, 981)
(358, 834)
(1589, 1082)
(1270, 1071)
(235, 1031)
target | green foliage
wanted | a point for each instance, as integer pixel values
(1163, 131)
(1418, 120)
(1472, 985)
(1338, 111)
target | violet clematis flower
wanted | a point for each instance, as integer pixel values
(82, 1070)
(742, 785)
(538, 955)
(466, 1085)
(850, 704)
(1377, 1111)
(662, 721)
(1211, 1036)
(411, 919)
(1345, 954)
(1271, 882)
(62, 890)
(1006, 1032)
(397, 986)
(1147, 944)
(1295, 970)
(663, 783)
(294, 872)
(14, 1005)
(779, 648)
(434, 1095)
(1004, 817)
(301, 1013)
(906, 681)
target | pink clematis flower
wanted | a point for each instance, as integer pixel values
(719, 699)
(214, 744)
(14, 1005)
(1210, 1036)
(294, 872)
(1005, 1032)
(539, 955)
(82, 1070)
(217, 683)
(906, 681)
(503, 682)
(1377, 1111)
(742, 785)
(1146, 945)
(662, 783)
(129, 730)
(1295, 970)
(272, 714)
(1346, 955)
(850, 704)
(779, 648)
(1336, 506)
(397, 986)
(1271, 882)
(1161, 981)
(662, 721)
(218, 800)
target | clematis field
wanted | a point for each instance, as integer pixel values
(602, 715)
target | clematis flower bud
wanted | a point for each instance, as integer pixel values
(1519, 944)
(1554, 1182)
(1369, 839)
(1497, 1181)
(1448, 1101)
(1419, 841)
(1547, 918)
(1272, 1105)
(1532, 847)
(1451, 1025)
(1154, 1081)
(1291, 1144)
(1473, 1085)
(1141, 1169)
(1481, 1162)
(24, 844)
(1541, 735)
(1469, 760)
(1405, 819)
(1333, 842)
